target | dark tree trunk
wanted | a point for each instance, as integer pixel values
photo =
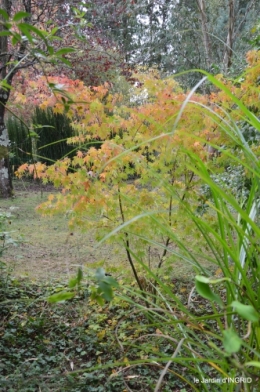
(205, 34)
(5, 173)
(230, 36)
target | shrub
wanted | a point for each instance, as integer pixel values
(52, 131)
(21, 143)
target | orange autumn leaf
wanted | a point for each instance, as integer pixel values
(102, 177)
(79, 154)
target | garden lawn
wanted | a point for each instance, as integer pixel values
(45, 247)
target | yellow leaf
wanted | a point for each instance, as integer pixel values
(125, 360)
(101, 334)
(218, 272)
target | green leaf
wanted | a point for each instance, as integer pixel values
(65, 61)
(50, 50)
(76, 281)
(100, 273)
(105, 290)
(20, 15)
(62, 51)
(253, 363)
(79, 275)
(205, 291)
(101, 276)
(54, 30)
(54, 38)
(16, 38)
(39, 53)
(4, 85)
(42, 126)
(5, 33)
(204, 279)
(105, 284)
(231, 341)
(25, 30)
(4, 14)
(61, 296)
(33, 134)
(72, 282)
(95, 296)
(246, 311)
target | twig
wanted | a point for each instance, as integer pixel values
(127, 246)
(159, 382)
(190, 295)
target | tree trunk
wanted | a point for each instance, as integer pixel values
(5, 173)
(205, 34)
(227, 60)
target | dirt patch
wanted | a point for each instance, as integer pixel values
(29, 186)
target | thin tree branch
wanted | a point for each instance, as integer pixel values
(127, 245)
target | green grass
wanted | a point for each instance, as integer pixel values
(48, 249)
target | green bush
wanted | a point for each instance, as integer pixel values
(45, 140)
(21, 143)
(53, 130)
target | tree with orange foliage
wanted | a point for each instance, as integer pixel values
(141, 159)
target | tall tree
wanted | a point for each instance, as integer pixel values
(7, 71)
(211, 35)
(24, 43)
(178, 35)
(204, 28)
